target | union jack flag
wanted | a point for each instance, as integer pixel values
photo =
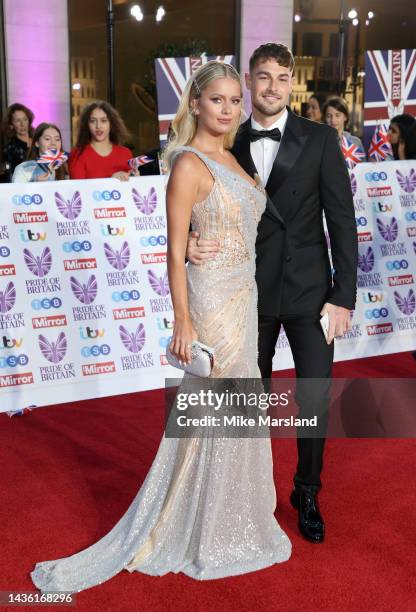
(353, 154)
(390, 87)
(380, 147)
(136, 162)
(172, 74)
(52, 159)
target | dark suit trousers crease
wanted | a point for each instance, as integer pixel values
(313, 360)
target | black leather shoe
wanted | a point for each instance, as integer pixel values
(311, 524)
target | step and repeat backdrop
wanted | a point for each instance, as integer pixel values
(85, 306)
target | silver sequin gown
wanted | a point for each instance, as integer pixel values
(206, 507)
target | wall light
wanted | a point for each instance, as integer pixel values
(160, 13)
(136, 12)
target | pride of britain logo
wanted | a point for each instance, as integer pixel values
(406, 303)
(146, 206)
(54, 351)
(70, 209)
(134, 342)
(389, 231)
(368, 277)
(407, 182)
(86, 292)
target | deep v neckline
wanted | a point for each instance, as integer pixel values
(255, 186)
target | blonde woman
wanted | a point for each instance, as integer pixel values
(207, 505)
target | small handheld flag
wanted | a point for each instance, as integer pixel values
(136, 162)
(380, 147)
(52, 159)
(353, 154)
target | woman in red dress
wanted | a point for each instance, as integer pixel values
(98, 152)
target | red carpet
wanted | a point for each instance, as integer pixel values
(69, 473)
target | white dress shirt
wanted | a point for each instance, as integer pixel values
(264, 150)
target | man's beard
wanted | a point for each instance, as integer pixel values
(267, 110)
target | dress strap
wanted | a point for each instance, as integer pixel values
(210, 163)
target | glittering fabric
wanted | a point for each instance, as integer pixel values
(206, 507)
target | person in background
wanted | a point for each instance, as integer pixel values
(337, 115)
(315, 105)
(17, 137)
(410, 143)
(47, 137)
(402, 136)
(99, 152)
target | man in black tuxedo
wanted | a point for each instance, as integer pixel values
(302, 166)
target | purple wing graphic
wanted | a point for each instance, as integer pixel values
(133, 341)
(85, 292)
(70, 209)
(146, 204)
(7, 298)
(53, 351)
(366, 260)
(159, 284)
(387, 230)
(406, 304)
(353, 184)
(118, 259)
(407, 181)
(38, 265)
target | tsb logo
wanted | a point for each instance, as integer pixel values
(164, 342)
(95, 350)
(371, 298)
(77, 246)
(376, 313)
(375, 177)
(4, 251)
(361, 221)
(125, 296)
(14, 361)
(106, 196)
(27, 199)
(46, 303)
(410, 216)
(153, 241)
(397, 264)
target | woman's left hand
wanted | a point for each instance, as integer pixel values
(121, 176)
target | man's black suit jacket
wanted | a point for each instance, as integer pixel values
(309, 176)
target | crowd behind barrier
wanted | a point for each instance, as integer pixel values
(100, 152)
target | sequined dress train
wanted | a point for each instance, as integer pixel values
(206, 507)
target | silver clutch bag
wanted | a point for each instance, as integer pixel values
(202, 360)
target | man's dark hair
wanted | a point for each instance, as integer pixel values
(275, 51)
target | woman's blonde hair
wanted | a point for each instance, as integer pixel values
(185, 124)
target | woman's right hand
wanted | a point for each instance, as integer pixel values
(183, 336)
(43, 177)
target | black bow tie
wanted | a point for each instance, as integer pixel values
(274, 134)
